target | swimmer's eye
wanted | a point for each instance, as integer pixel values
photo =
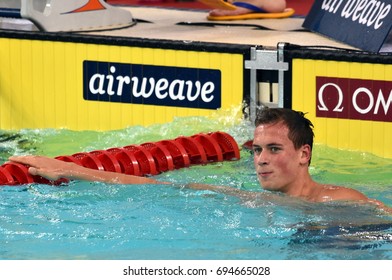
(275, 149)
(257, 150)
(271, 149)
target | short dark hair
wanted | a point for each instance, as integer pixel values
(300, 128)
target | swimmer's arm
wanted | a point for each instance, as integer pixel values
(347, 194)
(380, 205)
(53, 169)
(355, 195)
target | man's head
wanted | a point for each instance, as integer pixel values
(282, 149)
(300, 128)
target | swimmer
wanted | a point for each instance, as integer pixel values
(282, 148)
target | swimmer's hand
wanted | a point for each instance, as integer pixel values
(49, 168)
(54, 169)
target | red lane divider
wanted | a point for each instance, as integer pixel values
(127, 160)
(5, 177)
(228, 145)
(149, 158)
(19, 172)
(162, 157)
(194, 149)
(211, 147)
(109, 161)
(144, 158)
(178, 153)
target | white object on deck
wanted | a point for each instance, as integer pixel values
(71, 15)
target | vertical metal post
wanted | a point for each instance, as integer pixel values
(281, 75)
(253, 88)
(265, 59)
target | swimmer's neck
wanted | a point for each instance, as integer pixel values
(308, 190)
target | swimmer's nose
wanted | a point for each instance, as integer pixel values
(261, 158)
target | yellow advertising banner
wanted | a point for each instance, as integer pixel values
(349, 103)
(88, 86)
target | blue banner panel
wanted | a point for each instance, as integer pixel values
(363, 24)
(152, 85)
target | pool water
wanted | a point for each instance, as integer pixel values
(89, 220)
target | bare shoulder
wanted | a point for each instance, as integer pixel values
(335, 193)
(330, 193)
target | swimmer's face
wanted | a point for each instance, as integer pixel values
(278, 164)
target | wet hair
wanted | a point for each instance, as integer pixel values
(300, 128)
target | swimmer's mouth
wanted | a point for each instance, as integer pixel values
(265, 173)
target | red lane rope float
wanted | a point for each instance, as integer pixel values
(149, 158)
(109, 161)
(178, 152)
(211, 147)
(127, 160)
(248, 145)
(69, 159)
(194, 149)
(89, 160)
(19, 173)
(145, 159)
(5, 177)
(162, 157)
(228, 145)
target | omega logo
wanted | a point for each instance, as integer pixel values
(320, 97)
(354, 99)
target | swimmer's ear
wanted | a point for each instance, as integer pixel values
(306, 154)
